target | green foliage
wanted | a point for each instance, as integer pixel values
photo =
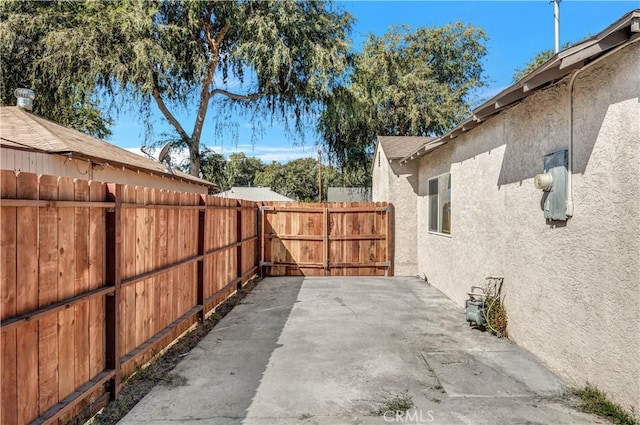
(180, 54)
(241, 170)
(596, 402)
(29, 34)
(213, 167)
(405, 83)
(540, 58)
(297, 179)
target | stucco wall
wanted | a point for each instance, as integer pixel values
(398, 184)
(56, 165)
(572, 291)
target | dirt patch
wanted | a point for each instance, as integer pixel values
(158, 372)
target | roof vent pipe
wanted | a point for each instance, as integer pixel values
(25, 98)
(556, 20)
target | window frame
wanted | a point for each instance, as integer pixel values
(440, 217)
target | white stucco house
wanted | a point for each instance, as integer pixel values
(398, 184)
(467, 208)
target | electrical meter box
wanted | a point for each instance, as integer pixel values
(556, 165)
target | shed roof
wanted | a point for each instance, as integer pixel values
(626, 30)
(255, 194)
(396, 147)
(23, 130)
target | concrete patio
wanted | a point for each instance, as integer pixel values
(338, 350)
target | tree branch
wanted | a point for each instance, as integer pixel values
(208, 77)
(168, 115)
(235, 96)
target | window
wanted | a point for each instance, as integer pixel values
(378, 159)
(440, 204)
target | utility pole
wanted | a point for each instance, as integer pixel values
(556, 20)
(319, 175)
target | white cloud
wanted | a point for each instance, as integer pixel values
(265, 153)
(177, 156)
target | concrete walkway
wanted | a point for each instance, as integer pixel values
(336, 350)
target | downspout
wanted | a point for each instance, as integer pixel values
(569, 205)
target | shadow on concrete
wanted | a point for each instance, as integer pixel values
(222, 374)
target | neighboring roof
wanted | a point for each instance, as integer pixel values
(20, 129)
(625, 30)
(396, 147)
(349, 194)
(255, 194)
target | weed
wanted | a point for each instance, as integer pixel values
(305, 416)
(495, 313)
(596, 402)
(398, 403)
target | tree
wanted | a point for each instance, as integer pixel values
(182, 54)
(272, 175)
(213, 167)
(242, 170)
(540, 58)
(297, 179)
(25, 29)
(404, 83)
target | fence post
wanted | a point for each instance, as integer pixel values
(239, 244)
(258, 244)
(113, 226)
(202, 214)
(391, 245)
(261, 239)
(325, 238)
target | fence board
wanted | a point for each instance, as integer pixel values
(27, 298)
(8, 238)
(48, 293)
(97, 192)
(81, 234)
(66, 289)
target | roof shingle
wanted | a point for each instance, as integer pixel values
(23, 130)
(396, 147)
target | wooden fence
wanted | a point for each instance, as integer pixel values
(97, 278)
(330, 239)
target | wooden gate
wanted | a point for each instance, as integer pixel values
(329, 239)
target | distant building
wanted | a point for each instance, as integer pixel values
(349, 194)
(255, 194)
(33, 144)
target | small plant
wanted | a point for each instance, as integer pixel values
(398, 403)
(305, 416)
(495, 313)
(596, 402)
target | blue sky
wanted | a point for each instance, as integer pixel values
(517, 30)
